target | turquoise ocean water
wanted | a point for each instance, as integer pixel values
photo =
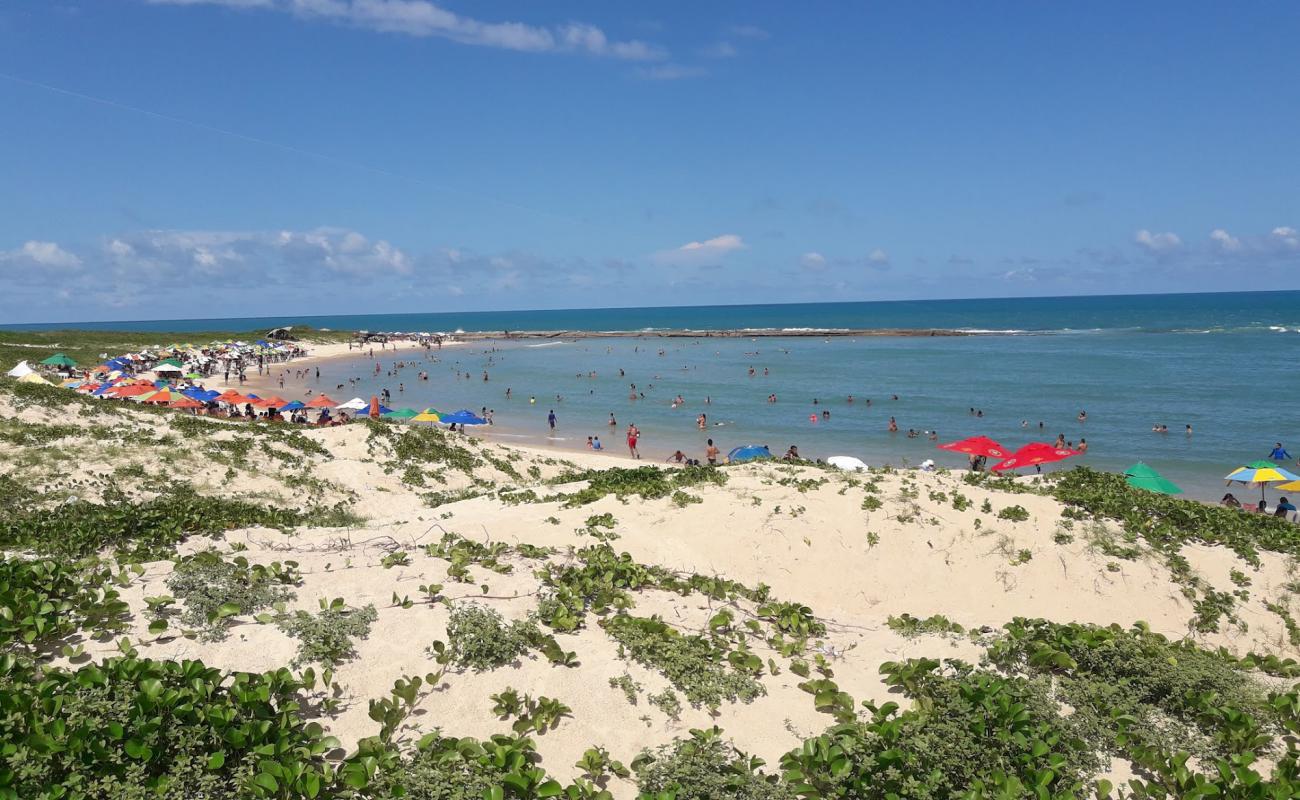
(1223, 363)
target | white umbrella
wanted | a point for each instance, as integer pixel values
(20, 370)
(355, 404)
(167, 368)
(847, 463)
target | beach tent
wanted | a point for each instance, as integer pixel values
(1033, 454)
(1261, 472)
(748, 452)
(977, 446)
(60, 360)
(32, 377)
(848, 463)
(20, 370)
(1140, 476)
(355, 404)
(462, 417)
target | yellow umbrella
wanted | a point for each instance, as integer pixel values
(428, 415)
(1293, 486)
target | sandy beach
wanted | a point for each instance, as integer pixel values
(858, 549)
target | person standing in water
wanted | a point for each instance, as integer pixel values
(633, 436)
(550, 419)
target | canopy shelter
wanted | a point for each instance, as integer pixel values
(20, 369)
(1140, 476)
(462, 417)
(1034, 454)
(1261, 473)
(977, 446)
(167, 369)
(59, 360)
(748, 452)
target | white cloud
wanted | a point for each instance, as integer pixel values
(1224, 242)
(424, 18)
(670, 72)
(1286, 237)
(878, 257)
(700, 254)
(719, 50)
(42, 254)
(1157, 243)
(812, 261)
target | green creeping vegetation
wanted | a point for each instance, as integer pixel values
(705, 767)
(1014, 513)
(647, 483)
(43, 601)
(538, 716)
(213, 589)
(698, 666)
(628, 685)
(912, 627)
(137, 530)
(326, 637)
(479, 639)
(1167, 523)
(410, 445)
(134, 729)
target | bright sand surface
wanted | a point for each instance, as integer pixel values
(801, 530)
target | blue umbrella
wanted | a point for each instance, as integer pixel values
(293, 406)
(748, 452)
(462, 417)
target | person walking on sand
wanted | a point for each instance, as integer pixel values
(633, 436)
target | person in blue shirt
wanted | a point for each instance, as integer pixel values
(1279, 453)
(1283, 508)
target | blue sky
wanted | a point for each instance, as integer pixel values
(164, 158)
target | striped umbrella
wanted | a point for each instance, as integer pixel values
(1261, 473)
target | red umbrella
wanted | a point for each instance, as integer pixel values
(374, 407)
(322, 401)
(1033, 454)
(977, 446)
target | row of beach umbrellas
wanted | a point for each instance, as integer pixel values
(1258, 473)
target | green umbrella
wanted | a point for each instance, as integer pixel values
(175, 362)
(59, 360)
(1140, 476)
(403, 413)
(194, 376)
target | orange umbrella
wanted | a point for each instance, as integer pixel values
(186, 402)
(322, 401)
(374, 407)
(161, 396)
(133, 389)
(274, 401)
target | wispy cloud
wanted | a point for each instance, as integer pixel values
(423, 18)
(749, 32)
(719, 50)
(813, 262)
(1157, 244)
(709, 252)
(40, 254)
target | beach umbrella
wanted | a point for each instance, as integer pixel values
(1262, 472)
(1033, 454)
(170, 369)
(355, 404)
(274, 401)
(321, 401)
(748, 452)
(462, 417)
(1140, 476)
(373, 412)
(977, 446)
(160, 396)
(59, 360)
(293, 405)
(404, 413)
(847, 463)
(194, 376)
(186, 402)
(428, 415)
